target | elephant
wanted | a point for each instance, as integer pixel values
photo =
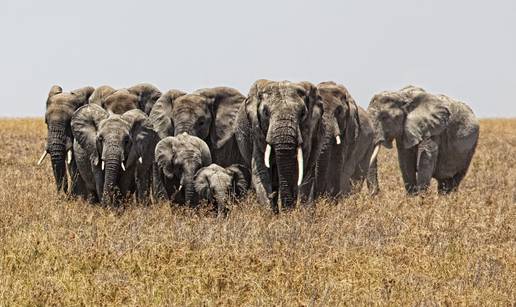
(436, 136)
(106, 157)
(60, 107)
(347, 145)
(178, 158)
(206, 113)
(218, 185)
(141, 96)
(279, 131)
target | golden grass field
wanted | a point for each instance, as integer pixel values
(389, 249)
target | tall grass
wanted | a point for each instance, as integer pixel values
(389, 249)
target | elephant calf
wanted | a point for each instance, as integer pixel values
(178, 158)
(435, 135)
(218, 185)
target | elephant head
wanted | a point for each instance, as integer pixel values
(141, 96)
(285, 118)
(106, 137)
(409, 115)
(217, 184)
(207, 113)
(340, 120)
(178, 159)
(147, 94)
(59, 110)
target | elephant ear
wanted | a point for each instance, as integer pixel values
(54, 90)
(204, 149)
(241, 178)
(100, 94)
(353, 120)
(202, 184)
(427, 116)
(147, 94)
(162, 111)
(225, 103)
(85, 122)
(83, 94)
(164, 154)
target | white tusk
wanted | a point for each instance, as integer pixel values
(140, 159)
(374, 155)
(45, 153)
(180, 187)
(337, 139)
(123, 166)
(69, 156)
(102, 165)
(300, 165)
(267, 156)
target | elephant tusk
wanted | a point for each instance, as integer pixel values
(337, 139)
(69, 156)
(140, 159)
(267, 156)
(102, 165)
(180, 187)
(45, 153)
(123, 166)
(374, 155)
(300, 165)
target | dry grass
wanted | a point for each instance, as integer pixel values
(389, 250)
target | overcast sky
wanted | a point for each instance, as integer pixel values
(466, 49)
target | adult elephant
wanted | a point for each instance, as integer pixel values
(206, 113)
(141, 96)
(435, 135)
(106, 158)
(178, 158)
(279, 130)
(218, 185)
(60, 107)
(347, 144)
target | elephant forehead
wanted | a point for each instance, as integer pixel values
(216, 168)
(114, 121)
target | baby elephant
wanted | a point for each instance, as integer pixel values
(218, 185)
(177, 160)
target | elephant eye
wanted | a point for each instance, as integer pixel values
(265, 112)
(303, 113)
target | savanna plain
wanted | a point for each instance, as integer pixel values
(390, 249)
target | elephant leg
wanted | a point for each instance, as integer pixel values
(426, 161)
(448, 185)
(143, 182)
(262, 184)
(158, 185)
(407, 159)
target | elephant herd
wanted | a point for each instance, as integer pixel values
(288, 142)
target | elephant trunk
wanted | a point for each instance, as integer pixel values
(184, 127)
(56, 147)
(189, 188)
(220, 195)
(111, 176)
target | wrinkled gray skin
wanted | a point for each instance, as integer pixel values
(206, 113)
(218, 185)
(343, 166)
(286, 116)
(435, 135)
(178, 158)
(59, 110)
(141, 96)
(101, 137)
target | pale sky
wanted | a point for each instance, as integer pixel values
(465, 49)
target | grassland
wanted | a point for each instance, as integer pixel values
(390, 249)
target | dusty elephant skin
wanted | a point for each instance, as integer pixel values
(348, 144)
(206, 113)
(141, 96)
(60, 107)
(218, 185)
(279, 130)
(436, 136)
(178, 158)
(106, 157)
